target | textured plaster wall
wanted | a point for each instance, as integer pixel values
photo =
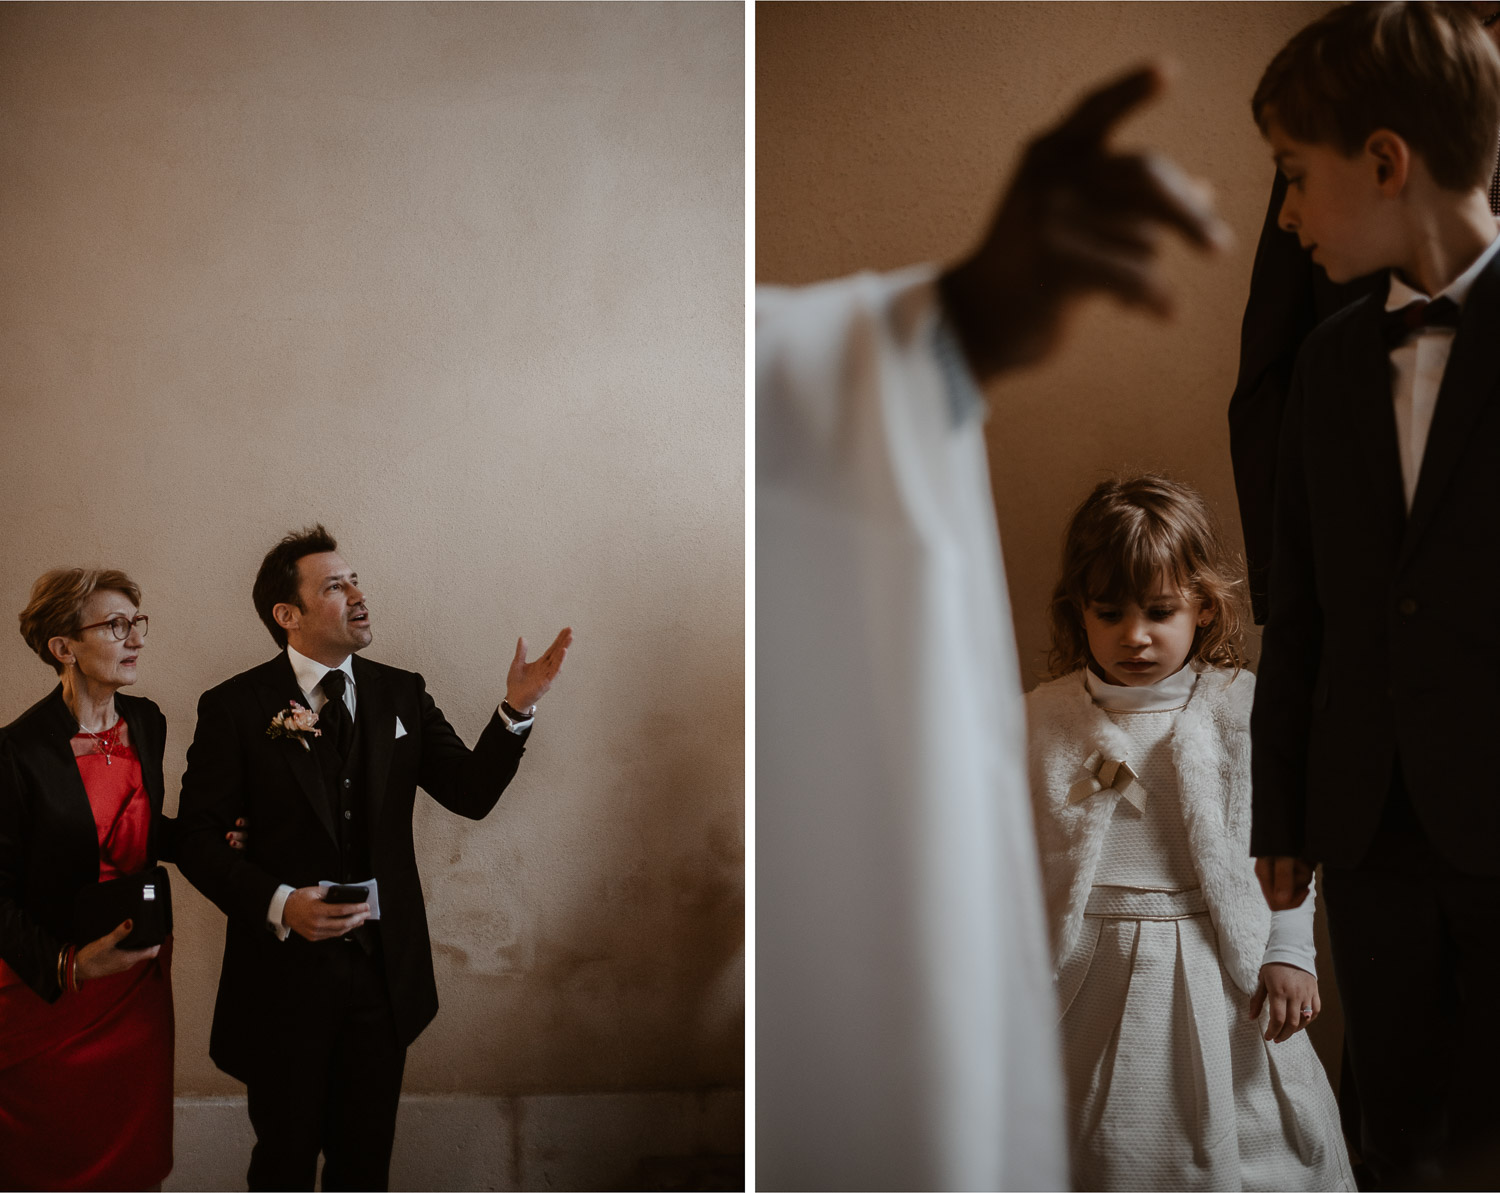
(465, 282)
(882, 136)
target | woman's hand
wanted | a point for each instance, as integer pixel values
(237, 836)
(1286, 990)
(99, 958)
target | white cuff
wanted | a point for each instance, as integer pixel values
(514, 726)
(274, 912)
(1291, 941)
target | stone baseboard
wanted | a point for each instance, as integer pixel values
(636, 1140)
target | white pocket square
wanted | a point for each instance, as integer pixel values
(400, 729)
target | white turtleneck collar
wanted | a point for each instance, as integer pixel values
(1166, 695)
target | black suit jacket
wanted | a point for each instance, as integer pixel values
(1380, 649)
(49, 844)
(1289, 296)
(234, 769)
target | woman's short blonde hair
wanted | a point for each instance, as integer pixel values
(1121, 541)
(57, 600)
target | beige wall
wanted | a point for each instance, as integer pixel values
(465, 282)
(882, 136)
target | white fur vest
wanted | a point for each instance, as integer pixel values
(1210, 744)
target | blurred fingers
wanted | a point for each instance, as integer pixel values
(1152, 187)
(1097, 114)
(1085, 260)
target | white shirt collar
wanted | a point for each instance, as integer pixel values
(1400, 294)
(310, 673)
(1162, 696)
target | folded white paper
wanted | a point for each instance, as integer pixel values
(374, 897)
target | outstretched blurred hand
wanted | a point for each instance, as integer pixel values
(1078, 219)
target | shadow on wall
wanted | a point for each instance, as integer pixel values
(624, 901)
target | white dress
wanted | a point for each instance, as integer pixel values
(1171, 1084)
(906, 1027)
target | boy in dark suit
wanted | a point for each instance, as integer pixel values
(1372, 711)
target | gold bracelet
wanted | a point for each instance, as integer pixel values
(62, 956)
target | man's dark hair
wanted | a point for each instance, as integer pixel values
(277, 581)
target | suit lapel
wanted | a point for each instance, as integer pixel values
(375, 710)
(146, 750)
(1368, 392)
(1468, 388)
(74, 805)
(278, 690)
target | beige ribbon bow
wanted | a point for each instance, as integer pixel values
(1106, 774)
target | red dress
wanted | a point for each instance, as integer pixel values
(86, 1082)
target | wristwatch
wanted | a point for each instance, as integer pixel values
(516, 714)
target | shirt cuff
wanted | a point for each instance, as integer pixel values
(274, 912)
(1291, 939)
(514, 726)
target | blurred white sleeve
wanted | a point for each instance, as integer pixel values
(906, 1024)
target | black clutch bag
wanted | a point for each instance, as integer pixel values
(145, 898)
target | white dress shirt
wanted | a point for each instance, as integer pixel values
(1417, 368)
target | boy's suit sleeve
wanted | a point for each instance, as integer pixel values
(1290, 652)
(464, 781)
(213, 796)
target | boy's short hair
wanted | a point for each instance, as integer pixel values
(1427, 72)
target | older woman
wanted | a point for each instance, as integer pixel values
(85, 1026)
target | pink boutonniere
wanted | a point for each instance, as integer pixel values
(297, 723)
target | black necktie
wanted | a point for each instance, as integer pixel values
(335, 714)
(1495, 188)
(1396, 326)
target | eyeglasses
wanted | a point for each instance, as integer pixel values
(121, 626)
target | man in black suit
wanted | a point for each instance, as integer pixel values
(1372, 707)
(322, 752)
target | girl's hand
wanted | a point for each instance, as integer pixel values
(99, 958)
(1286, 990)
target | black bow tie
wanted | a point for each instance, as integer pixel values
(1396, 326)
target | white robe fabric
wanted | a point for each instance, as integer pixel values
(905, 1021)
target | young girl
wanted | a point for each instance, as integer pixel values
(1182, 997)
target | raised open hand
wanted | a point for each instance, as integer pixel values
(1078, 219)
(528, 682)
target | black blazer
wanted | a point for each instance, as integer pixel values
(49, 845)
(1289, 296)
(234, 769)
(1380, 648)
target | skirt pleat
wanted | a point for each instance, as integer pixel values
(1171, 1085)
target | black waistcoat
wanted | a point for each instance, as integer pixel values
(344, 789)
